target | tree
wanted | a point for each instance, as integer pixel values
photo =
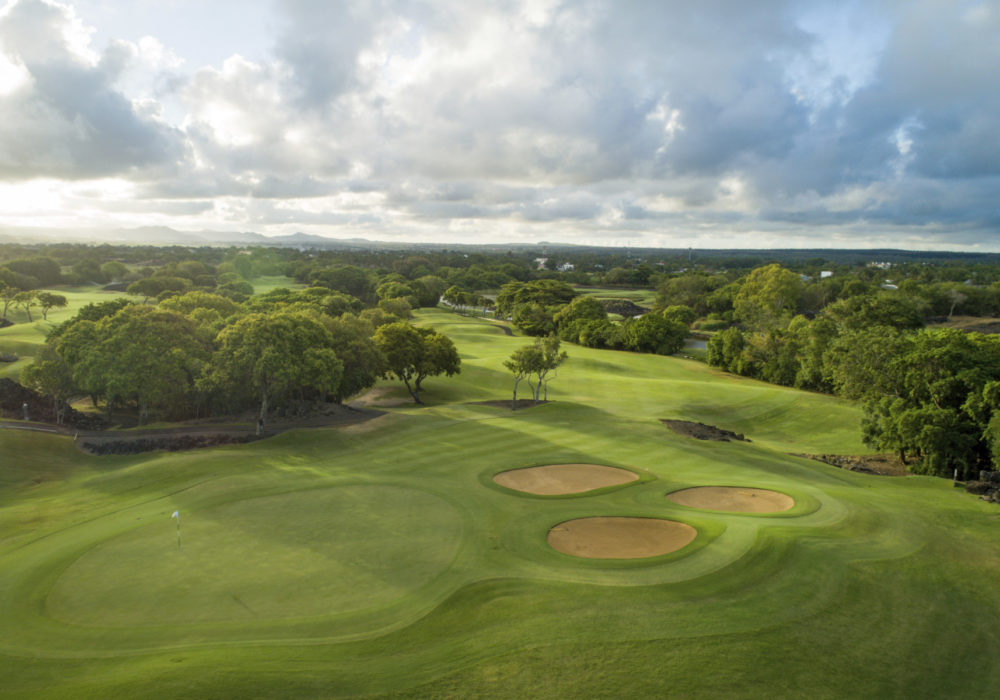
(43, 271)
(353, 343)
(274, 355)
(549, 360)
(653, 333)
(580, 309)
(50, 376)
(534, 319)
(7, 296)
(768, 295)
(346, 278)
(189, 302)
(429, 289)
(413, 354)
(154, 286)
(545, 292)
(935, 400)
(399, 307)
(686, 290)
(681, 313)
(48, 300)
(26, 300)
(114, 271)
(539, 360)
(522, 364)
(89, 270)
(145, 355)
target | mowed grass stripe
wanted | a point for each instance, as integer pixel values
(854, 592)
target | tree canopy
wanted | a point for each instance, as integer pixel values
(413, 354)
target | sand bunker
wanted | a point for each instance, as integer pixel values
(620, 538)
(735, 499)
(561, 479)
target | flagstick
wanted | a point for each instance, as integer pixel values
(177, 515)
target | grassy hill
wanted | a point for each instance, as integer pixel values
(381, 560)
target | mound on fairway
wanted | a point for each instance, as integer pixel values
(736, 499)
(305, 553)
(620, 537)
(562, 479)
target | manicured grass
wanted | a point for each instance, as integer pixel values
(381, 560)
(262, 285)
(25, 338)
(642, 297)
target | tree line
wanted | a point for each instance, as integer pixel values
(201, 353)
(932, 396)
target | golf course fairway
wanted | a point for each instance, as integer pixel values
(382, 559)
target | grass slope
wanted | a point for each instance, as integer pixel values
(380, 560)
(25, 338)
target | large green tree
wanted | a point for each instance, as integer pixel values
(768, 297)
(273, 356)
(413, 354)
(48, 300)
(355, 347)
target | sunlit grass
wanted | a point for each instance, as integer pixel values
(380, 560)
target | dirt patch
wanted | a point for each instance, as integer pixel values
(508, 404)
(735, 499)
(701, 431)
(620, 537)
(881, 465)
(562, 479)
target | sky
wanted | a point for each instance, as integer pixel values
(650, 123)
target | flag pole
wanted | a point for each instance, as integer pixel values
(177, 515)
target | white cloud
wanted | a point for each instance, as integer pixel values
(593, 119)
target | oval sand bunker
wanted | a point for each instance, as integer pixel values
(620, 537)
(735, 499)
(562, 479)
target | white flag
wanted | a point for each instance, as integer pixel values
(176, 515)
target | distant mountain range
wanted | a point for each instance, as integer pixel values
(165, 236)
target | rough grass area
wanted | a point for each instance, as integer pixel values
(380, 560)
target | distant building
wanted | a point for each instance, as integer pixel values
(824, 274)
(565, 267)
(540, 263)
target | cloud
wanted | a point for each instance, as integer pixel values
(66, 119)
(640, 119)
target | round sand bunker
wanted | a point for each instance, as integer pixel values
(736, 499)
(562, 479)
(619, 537)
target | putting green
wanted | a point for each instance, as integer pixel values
(299, 554)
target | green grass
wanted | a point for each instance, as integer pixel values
(642, 297)
(380, 560)
(262, 285)
(25, 338)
